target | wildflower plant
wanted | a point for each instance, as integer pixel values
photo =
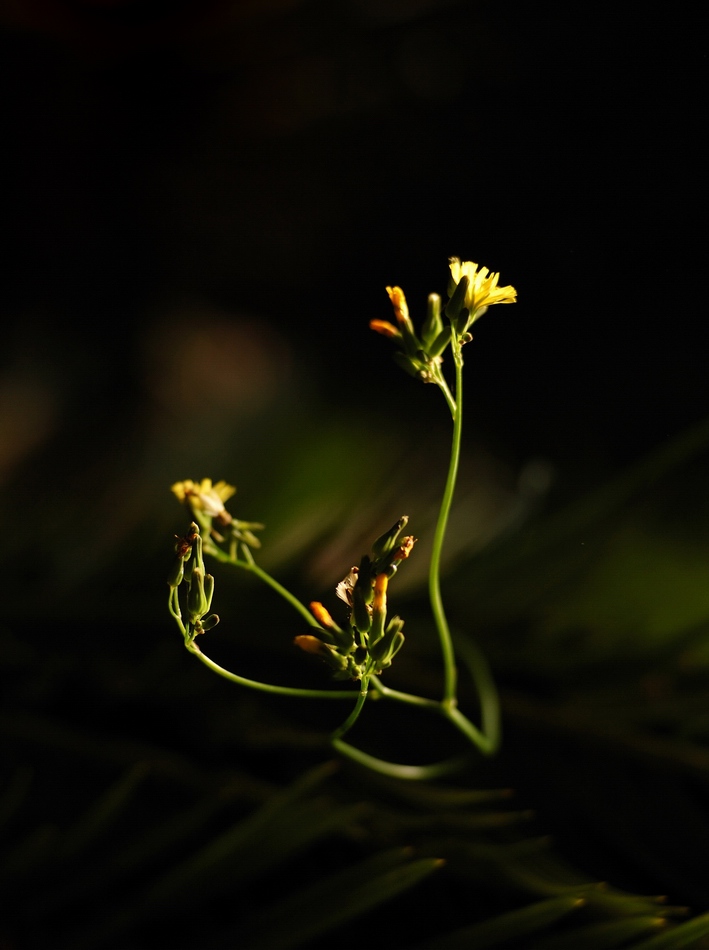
(361, 648)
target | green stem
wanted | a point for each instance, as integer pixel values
(487, 692)
(417, 773)
(354, 715)
(267, 687)
(387, 693)
(434, 577)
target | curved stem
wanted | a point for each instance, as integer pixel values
(471, 732)
(267, 687)
(354, 715)
(487, 692)
(434, 576)
(394, 770)
(386, 693)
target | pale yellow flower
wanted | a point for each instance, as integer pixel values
(205, 497)
(482, 287)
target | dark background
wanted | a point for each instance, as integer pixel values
(202, 205)
(221, 191)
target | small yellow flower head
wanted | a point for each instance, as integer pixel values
(205, 498)
(482, 287)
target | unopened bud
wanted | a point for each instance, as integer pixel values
(338, 664)
(384, 328)
(379, 608)
(322, 615)
(433, 324)
(177, 572)
(411, 366)
(387, 541)
(199, 595)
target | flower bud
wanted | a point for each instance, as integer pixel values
(199, 595)
(410, 365)
(433, 324)
(379, 608)
(385, 328)
(387, 542)
(338, 664)
(177, 573)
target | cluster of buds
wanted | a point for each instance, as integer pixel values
(471, 290)
(368, 643)
(420, 355)
(188, 571)
(206, 502)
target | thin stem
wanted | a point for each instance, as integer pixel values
(434, 577)
(268, 687)
(417, 773)
(174, 607)
(354, 715)
(471, 732)
(487, 692)
(387, 693)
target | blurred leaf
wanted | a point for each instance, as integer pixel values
(505, 927)
(337, 899)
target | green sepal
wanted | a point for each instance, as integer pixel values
(457, 301)
(177, 572)
(385, 649)
(387, 541)
(411, 342)
(198, 600)
(361, 615)
(410, 365)
(463, 321)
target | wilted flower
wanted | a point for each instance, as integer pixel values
(205, 498)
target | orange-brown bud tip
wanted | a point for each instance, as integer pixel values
(398, 300)
(322, 615)
(309, 644)
(406, 548)
(384, 327)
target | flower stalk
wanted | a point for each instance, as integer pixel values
(362, 646)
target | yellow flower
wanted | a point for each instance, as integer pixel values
(482, 287)
(205, 497)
